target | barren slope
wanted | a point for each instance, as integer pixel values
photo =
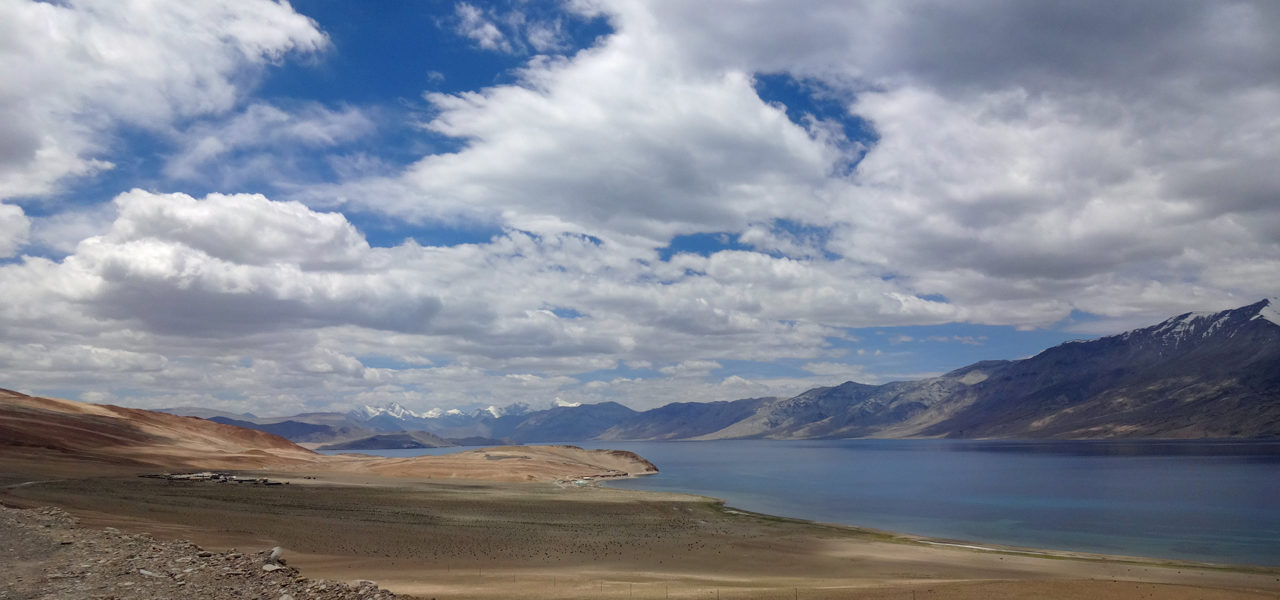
(43, 429)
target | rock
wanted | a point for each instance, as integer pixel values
(277, 556)
(102, 564)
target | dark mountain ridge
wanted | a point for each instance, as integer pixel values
(1194, 375)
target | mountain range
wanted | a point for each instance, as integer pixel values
(1195, 375)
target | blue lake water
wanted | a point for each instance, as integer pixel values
(1202, 500)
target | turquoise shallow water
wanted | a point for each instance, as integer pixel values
(1202, 500)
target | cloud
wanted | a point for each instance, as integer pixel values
(14, 227)
(837, 373)
(262, 142)
(1029, 159)
(511, 30)
(611, 143)
(270, 298)
(691, 368)
(82, 357)
(61, 232)
(241, 263)
(1021, 176)
(76, 71)
(473, 23)
(1023, 161)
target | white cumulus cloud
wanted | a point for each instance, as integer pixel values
(76, 70)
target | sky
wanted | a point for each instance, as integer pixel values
(251, 205)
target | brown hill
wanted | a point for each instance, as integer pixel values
(47, 430)
(51, 428)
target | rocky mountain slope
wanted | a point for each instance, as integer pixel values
(400, 440)
(1194, 375)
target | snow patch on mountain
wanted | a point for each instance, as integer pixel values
(1196, 324)
(437, 413)
(1270, 311)
(393, 410)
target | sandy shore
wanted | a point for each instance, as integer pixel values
(470, 539)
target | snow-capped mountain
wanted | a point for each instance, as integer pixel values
(395, 417)
(511, 410)
(1196, 327)
(1193, 375)
(393, 410)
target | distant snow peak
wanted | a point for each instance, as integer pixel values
(399, 412)
(367, 412)
(494, 411)
(393, 410)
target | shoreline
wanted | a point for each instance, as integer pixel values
(467, 539)
(601, 482)
(956, 542)
(348, 478)
(979, 546)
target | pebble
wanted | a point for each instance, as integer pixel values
(106, 563)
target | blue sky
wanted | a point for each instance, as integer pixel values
(276, 208)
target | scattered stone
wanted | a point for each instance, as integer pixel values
(101, 564)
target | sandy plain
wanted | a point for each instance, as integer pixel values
(462, 539)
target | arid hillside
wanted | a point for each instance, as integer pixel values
(63, 429)
(45, 430)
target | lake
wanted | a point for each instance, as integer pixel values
(1214, 501)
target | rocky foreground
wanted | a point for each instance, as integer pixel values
(44, 555)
